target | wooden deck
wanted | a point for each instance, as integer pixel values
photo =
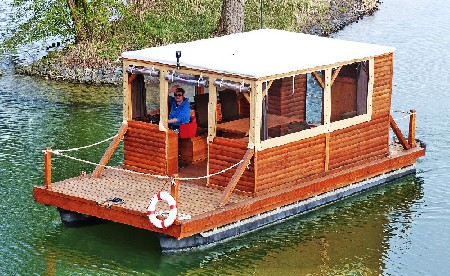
(137, 191)
(87, 194)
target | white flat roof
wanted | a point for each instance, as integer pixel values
(260, 53)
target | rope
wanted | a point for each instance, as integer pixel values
(106, 166)
(209, 175)
(89, 146)
(144, 174)
(404, 112)
(401, 118)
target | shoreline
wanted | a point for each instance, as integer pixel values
(46, 68)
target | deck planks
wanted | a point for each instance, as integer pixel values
(137, 191)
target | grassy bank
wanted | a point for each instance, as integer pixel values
(169, 21)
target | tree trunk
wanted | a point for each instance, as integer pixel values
(232, 17)
(78, 19)
(141, 6)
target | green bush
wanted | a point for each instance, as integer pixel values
(116, 27)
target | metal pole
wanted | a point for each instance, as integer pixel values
(261, 14)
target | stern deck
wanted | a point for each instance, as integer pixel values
(86, 194)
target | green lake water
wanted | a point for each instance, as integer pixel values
(398, 229)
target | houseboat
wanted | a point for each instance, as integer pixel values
(280, 123)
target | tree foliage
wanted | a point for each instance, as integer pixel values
(96, 31)
(71, 20)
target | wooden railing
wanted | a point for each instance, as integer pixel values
(236, 176)
(410, 143)
(109, 152)
(98, 170)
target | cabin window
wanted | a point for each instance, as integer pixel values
(233, 113)
(292, 104)
(145, 96)
(317, 102)
(138, 96)
(314, 99)
(152, 100)
(349, 91)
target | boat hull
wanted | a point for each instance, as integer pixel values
(74, 219)
(209, 238)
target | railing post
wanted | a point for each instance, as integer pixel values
(412, 128)
(174, 188)
(48, 168)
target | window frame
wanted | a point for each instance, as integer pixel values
(327, 126)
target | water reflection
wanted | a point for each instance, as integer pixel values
(352, 236)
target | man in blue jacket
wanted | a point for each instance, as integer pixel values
(179, 109)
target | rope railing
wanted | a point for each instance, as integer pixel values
(403, 111)
(409, 113)
(58, 152)
(88, 146)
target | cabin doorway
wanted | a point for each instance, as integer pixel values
(193, 146)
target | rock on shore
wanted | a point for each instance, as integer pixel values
(342, 13)
(54, 71)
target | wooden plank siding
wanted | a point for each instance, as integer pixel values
(224, 153)
(145, 149)
(290, 162)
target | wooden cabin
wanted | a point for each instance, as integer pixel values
(281, 123)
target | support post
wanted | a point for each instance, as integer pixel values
(109, 152)
(235, 178)
(48, 168)
(174, 188)
(327, 150)
(398, 133)
(412, 129)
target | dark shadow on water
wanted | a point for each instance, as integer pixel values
(351, 236)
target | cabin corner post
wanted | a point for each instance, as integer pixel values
(327, 98)
(212, 113)
(371, 87)
(327, 114)
(48, 168)
(412, 128)
(255, 115)
(163, 100)
(212, 123)
(126, 93)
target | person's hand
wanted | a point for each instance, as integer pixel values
(173, 88)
